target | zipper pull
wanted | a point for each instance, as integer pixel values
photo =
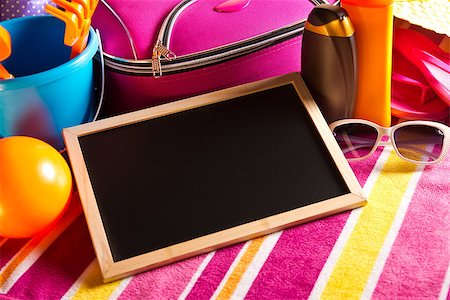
(156, 66)
(160, 50)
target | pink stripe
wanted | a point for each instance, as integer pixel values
(296, 261)
(2, 297)
(292, 268)
(9, 249)
(419, 258)
(59, 266)
(213, 274)
(163, 283)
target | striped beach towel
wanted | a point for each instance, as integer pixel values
(398, 247)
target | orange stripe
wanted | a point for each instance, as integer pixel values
(19, 258)
(240, 269)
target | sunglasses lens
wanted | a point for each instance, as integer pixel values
(355, 140)
(419, 142)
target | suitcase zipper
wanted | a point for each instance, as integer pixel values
(161, 47)
(165, 61)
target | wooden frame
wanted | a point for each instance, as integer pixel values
(115, 270)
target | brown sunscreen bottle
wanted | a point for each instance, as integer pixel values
(328, 61)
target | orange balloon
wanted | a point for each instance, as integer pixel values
(35, 186)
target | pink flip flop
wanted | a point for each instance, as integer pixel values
(431, 60)
(412, 96)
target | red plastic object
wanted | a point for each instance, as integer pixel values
(431, 60)
(412, 96)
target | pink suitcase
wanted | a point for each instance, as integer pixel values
(209, 50)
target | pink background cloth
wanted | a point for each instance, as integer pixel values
(415, 266)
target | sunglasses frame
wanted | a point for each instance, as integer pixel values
(389, 131)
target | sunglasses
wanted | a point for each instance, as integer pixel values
(419, 142)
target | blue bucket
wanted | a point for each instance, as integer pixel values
(50, 91)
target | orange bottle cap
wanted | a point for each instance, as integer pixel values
(368, 3)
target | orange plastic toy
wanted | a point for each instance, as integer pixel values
(79, 46)
(5, 52)
(73, 30)
(35, 186)
(373, 23)
(77, 15)
(72, 7)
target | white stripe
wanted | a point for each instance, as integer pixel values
(197, 274)
(38, 250)
(120, 288)
(338, 247)
(373, 176)
(392, 234)
(255, 266)
(230, 270)
(76, 286)
(445, 285)
(329, 265)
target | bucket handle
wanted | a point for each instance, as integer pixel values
(102, 76)
(102, 83)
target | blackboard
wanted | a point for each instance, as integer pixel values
(169, 176)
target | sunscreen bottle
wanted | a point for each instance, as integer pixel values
(373, 23)
(328, 61)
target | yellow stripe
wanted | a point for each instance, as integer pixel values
(240, 269)
(353, 268)
(93, 287)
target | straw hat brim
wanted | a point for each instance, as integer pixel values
(430, 14)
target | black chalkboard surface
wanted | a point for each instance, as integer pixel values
(164, 179)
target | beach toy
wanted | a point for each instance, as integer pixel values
(82, 41)
(86, 6)
(73, 29)
(94, 4)
(50, 91)
(80, 11)
(72, 7)
(35, 186)
(5, 52)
